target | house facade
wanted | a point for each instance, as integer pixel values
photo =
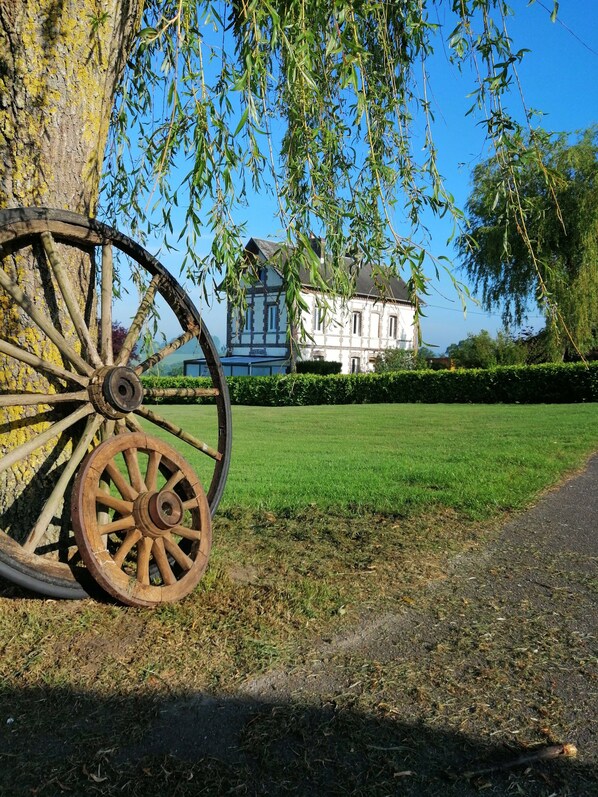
(352, 333)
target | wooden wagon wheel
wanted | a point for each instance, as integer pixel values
(141, 520)
(90, 395)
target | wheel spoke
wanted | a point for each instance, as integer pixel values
(161, 559)
(128, 492)
(31, 399)
(122, 524)
(37, 362)
(132, 462)
(128, 543)
(103, 516)
(106, 304)
(144, 550)
(166, 351)
(108, 430)
(52, 504)
(188, 534)
(137, 323)
(131, 422)
(105, 499)
(22, 451)
(151, 474)
(174, 479)
(69, 299)
(180, 392)
(46, 326)
(179, 556)
(158, 420)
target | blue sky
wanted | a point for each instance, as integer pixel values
(559, 77)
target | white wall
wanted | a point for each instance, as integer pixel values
(338, 341)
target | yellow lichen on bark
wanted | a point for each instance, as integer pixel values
(60, 63)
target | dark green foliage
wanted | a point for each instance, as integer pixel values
(537, 384)
(323, 367)
(484, 351)
(174, 370)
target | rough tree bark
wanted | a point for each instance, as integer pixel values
(60, 63)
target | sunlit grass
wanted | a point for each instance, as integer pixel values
(400, 458)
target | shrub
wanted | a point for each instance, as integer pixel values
(535, 384)
(401, 360)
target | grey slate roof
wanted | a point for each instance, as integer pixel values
(276, 253)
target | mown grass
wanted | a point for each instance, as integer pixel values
(396, 458)
(331, 514)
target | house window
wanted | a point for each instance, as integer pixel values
(392, 326)
(319, 324)
(355, 365)
(375, 325)
(356, 323)
(272, 318)
(248, 323)
(262, 274)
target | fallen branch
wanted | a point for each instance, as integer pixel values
(541, 754)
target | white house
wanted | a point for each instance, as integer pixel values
(352, 333)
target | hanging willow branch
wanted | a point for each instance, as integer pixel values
(321, 101)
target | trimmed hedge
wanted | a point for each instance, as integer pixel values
(534, 384)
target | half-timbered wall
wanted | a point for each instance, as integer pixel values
(352, 334)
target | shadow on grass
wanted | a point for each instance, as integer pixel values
(59, 741)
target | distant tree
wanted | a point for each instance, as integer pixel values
(484, 351)
(401, 360)
(534, 235)
(173, 370)
(119, 333)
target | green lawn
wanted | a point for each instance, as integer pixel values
(397, 458)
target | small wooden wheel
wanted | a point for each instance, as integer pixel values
(141, 520)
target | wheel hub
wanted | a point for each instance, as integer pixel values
(116, 390)
(157, 513)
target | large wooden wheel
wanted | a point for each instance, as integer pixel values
(89, 394)
(141, 520)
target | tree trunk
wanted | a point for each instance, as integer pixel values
(60, 63)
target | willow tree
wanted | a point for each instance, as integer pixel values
(550, 261)
(186, 102)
